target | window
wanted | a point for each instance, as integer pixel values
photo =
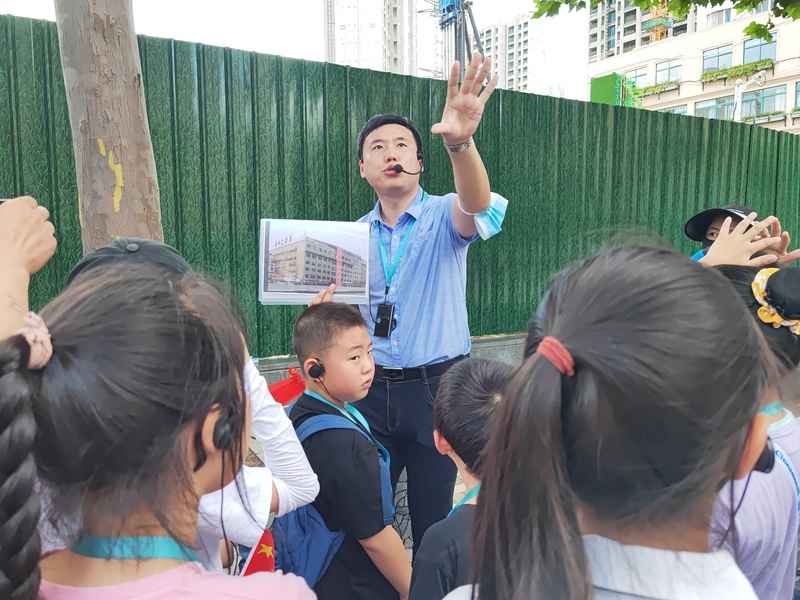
(717, 108)
(758, 49)
(645, 40)
(668, 71)
(592, 53)
(611, 44)
(719, 17)
(592, 12)
(763, 6)
(630, 17)
(797, 96)
(717, 58)
(611, 33)
(676, 110)
(628, 46)
(630, 30)
(611, 17)
(394, 12)
(593, 38)
(759, 102)
(680, 29)
(637, 77)
(593, 24)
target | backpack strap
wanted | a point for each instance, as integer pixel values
(319, 423)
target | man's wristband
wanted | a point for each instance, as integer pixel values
(456, 148)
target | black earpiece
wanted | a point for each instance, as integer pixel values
(316, 370)
(224, 431)
(766, 460)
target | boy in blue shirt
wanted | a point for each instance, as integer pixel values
(334, 349)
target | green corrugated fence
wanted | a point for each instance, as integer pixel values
(239, 136)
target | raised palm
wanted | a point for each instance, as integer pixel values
(464, 107)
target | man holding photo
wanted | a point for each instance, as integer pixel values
(417, 311)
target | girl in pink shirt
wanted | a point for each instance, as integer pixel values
(126, 396)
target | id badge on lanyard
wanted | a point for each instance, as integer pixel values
(385, 321)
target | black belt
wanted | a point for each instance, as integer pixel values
(410, 374)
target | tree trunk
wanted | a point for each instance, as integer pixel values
(117, 182)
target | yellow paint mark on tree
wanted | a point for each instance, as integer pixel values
(116, 168)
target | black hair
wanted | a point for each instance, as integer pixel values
(387, 119)
(465, 403)
(138, 361)
(315, 330)
(669, 370)
(783, 294)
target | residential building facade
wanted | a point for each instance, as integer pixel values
(383, 35)
(693, 67)
(309, 261)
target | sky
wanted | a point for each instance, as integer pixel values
(295, 29)
(350, 236)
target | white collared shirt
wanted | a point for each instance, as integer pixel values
(621, 572)
(286, 466)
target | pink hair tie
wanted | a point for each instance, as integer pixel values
(555, 352)
(35, 332)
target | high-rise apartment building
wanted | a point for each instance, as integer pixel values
(523, 51)
(384, 35)
(693, 66)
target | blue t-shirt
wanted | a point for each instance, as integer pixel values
(699, 254)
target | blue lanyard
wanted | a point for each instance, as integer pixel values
(467, 497)
(771, 410)
(349, 411)
(389, 270)
(133, 548)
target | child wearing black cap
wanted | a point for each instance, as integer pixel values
(743, 241)
(705, 226)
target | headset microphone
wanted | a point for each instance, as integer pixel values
(398, 168)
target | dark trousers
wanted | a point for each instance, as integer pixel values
(399, 414)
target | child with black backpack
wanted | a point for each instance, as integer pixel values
(351, 549)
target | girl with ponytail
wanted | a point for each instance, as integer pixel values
(128, 405)
(617, 432)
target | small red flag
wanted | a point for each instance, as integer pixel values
(262, 556)
(286, 390)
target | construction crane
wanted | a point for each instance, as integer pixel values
(456, 20)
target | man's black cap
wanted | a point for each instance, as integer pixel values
(388, 119)
(697, 226)
(132, 251)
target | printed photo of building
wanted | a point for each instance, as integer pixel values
(298, 259)
(312, 262)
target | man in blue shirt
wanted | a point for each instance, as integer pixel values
(417, 312)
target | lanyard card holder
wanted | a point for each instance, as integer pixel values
(384, 322)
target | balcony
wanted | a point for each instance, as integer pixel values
(738, 71)
(661, 88)
(777, 116)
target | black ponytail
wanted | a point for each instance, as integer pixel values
(669, 369)
(515, 524)
(19, 503)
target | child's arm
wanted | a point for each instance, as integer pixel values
(386, 551)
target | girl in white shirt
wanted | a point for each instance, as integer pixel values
(640, 399)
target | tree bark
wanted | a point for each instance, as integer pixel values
(117, 182)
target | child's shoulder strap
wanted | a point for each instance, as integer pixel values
(319, 423)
